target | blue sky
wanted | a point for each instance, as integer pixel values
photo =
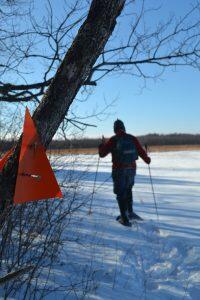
(169, 105)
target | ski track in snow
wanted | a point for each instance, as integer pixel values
(151, 260)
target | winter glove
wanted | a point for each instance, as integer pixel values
(148, 160)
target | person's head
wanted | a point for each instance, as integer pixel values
(118, 125)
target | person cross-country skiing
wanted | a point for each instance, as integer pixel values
(125, 149)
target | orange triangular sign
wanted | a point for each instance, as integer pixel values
(35, 177)
(4, 159)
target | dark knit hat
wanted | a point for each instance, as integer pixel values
(118, 124)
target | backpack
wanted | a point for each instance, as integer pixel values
(125, 150)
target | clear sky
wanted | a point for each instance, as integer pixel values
(168, 106)
(172, 104)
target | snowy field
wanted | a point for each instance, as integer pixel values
(155, 259)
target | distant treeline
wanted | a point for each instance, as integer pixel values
(150, 139)
(170, 139)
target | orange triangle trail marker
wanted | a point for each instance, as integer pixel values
(35, 177)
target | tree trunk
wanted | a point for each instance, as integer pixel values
(73, 71)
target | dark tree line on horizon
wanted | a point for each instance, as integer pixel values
(149, 139)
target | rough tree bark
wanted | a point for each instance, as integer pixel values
(70, 76)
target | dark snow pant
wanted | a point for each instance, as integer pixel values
(123, 181)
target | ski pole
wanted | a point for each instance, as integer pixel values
(95, 179)
(152, 187)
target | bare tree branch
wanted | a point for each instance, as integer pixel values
(175, 42)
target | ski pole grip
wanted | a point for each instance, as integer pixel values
(146, 147)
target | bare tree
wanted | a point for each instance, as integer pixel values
(29, 39)
(171, 43)
(144, 51)
(65, 69)
(70, 76)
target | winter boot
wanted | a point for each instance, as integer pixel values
(134, 216)
(124, 221)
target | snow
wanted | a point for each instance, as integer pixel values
(155, 259)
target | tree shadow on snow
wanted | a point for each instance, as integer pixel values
(103, 176)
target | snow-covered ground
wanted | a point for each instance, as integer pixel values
(156, 259)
